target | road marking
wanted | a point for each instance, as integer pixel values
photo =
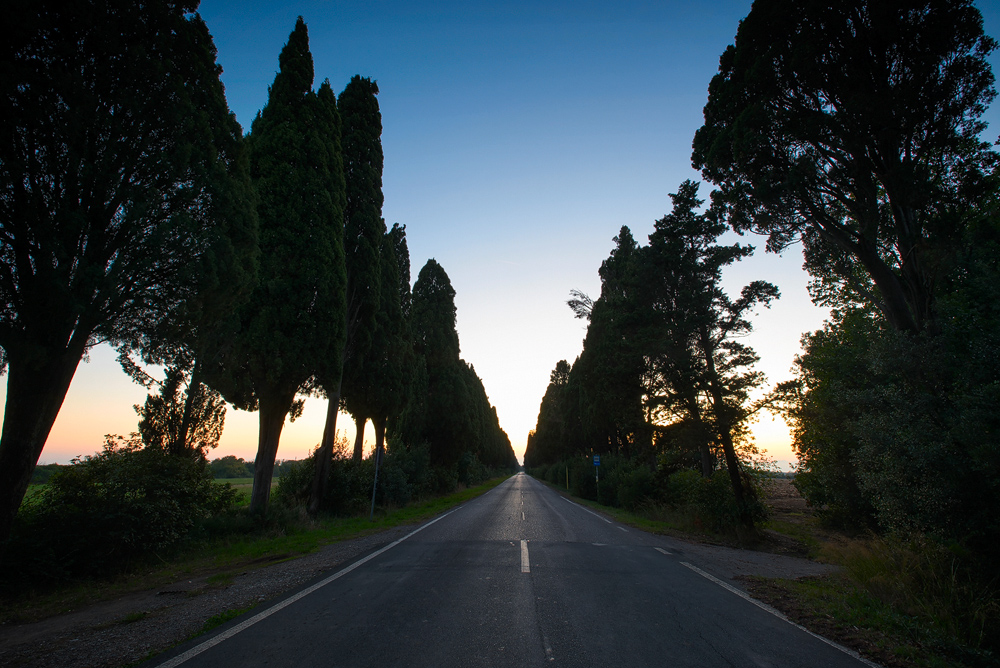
(661, 551)
(623, 529)
(522, 515)
(226, 635)
(587, 510)
(525, 566)
(777, 613)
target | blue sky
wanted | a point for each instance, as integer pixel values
(518, 139)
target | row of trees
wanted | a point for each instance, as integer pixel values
(256, 269)
(662, 376)
(854, 129)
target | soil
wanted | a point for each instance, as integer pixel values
(135, 626)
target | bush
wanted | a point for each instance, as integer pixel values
(707, 503)
(105, 511)
(405, 474)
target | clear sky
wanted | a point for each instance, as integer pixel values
(518, 138)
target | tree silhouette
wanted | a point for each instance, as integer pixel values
(295, 316)
(853, 126)
(363, 232)
(118, 165)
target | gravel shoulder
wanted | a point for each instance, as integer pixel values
(129, 629)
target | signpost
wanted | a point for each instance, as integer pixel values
(597, 474)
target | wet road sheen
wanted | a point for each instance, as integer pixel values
(520, 576)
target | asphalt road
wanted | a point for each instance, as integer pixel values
(517, 577)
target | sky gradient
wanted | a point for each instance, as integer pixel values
(518, 139)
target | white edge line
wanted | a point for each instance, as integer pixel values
(588, 510)
(242, 626)
(777, 613)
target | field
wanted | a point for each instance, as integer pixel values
(243, 486)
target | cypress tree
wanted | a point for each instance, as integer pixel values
(362, 233)
(458, 417)
(295, 317)
(380, 391)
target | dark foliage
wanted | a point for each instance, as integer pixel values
(293, 325)
(121, 174)
(108, 511)
(854, 126)
(457, 419)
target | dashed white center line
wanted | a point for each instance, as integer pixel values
(525, 566)
(623, 529)
(661, 551)
(522, 515)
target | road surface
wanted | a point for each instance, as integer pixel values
(520, 576)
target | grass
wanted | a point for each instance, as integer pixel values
(294, 535)
(243, 487)
(902, 603)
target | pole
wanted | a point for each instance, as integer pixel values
(378, 458)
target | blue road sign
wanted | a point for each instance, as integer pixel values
(597, 460)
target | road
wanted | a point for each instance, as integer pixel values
(520, 576)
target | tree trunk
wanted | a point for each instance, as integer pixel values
(324, 455)
(704, 447)
(379, 424)
(180, 446)
(895, 305)
(36, 387)
(359, 438)
(272, 409)
(725, 430)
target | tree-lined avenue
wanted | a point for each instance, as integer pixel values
(457, 593)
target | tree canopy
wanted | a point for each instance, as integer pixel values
(294, 320)
(119, 165)
(458, 420)
(854, 126)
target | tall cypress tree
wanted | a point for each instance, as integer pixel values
(391, 354)
(295, 317)
(363, 231)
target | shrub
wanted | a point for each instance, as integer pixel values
(99, 515)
